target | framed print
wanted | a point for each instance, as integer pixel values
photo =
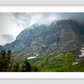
(45, 40)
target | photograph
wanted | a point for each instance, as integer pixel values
(41, 41)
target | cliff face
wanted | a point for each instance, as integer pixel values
(58, 36)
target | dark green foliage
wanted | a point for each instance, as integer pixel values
(26, 67)
(57, 62)
(5, 59)
(16, 67)
(35, 69)
(7, 64)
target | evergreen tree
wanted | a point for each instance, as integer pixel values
(35, 69)
(1, 68)
(68, 61)
(5, 60)
(16, 67)
(26, 67)
(8, 60)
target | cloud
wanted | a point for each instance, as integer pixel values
(27, 19)
(8, 37)
(7, 26)
(13, 23)
(77, 16)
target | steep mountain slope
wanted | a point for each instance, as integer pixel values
(63, 35)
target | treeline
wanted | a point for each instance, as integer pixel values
(7, 64)
(59, 63)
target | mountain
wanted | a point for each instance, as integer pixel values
(63, 35)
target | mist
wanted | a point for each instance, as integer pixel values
(28, 19)
(12, 23)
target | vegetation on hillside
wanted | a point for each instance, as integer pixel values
(7, 64)
(50, 62)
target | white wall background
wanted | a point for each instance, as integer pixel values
(41, 2)
(41, 81)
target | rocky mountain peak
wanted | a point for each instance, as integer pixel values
(52, 38)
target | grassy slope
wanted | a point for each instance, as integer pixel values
(51, 62)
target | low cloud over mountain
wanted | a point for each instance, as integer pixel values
(14, 22)
(27, 19)
(8, 37)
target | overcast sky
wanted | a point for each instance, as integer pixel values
(11, 24)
